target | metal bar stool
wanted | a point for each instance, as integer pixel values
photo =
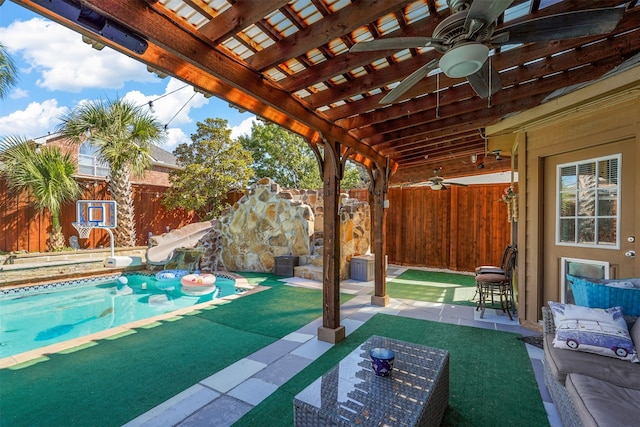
(494, 269)
(489, 285)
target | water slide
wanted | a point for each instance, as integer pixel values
(186, 237)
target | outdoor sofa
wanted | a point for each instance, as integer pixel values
(589, 388)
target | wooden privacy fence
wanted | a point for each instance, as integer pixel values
(456, 229)
(21, 228)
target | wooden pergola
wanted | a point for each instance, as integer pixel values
(289, 62)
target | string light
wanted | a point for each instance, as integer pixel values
(178, 112)
(150, 103)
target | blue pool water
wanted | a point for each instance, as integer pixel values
(45, 315)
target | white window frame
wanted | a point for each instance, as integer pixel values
(595, 160)
(87, 161)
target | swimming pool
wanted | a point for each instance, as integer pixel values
(42, 315)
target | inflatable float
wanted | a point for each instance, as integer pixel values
(198, 284)
(166, 275)
(168, 279)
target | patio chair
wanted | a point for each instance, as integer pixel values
(490, 285)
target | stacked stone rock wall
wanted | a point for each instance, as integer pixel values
(355, 225)
(268, 222)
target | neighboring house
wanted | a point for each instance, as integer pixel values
(90, 168)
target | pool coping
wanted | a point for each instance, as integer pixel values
(40, 354)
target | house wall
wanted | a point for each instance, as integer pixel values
(601, 119)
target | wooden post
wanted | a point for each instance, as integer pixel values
(332, 167)
(379, 188)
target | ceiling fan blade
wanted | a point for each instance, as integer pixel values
(483, 13)
(480, 81)
(562, 26)
(409, 82)
(394, 43)
(459, 184)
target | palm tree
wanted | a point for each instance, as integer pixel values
(45, 174)
(123, 135)
(8, 72)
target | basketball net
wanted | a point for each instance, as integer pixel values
(84, 229)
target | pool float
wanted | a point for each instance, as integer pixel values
(165, 275)
(198, 284)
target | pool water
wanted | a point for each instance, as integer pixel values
(29, 320)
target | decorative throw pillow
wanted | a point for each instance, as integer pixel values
(635, 333)
(592, 330)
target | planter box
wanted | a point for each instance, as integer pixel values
(284, 265)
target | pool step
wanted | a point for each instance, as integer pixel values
(31, 268)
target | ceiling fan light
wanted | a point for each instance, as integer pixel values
(437, 186)
(464, 60)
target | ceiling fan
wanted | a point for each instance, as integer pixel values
(436, 182)
(467, 35)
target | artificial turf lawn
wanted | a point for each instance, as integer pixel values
(491, 379)
(433, 286)
(116, 380)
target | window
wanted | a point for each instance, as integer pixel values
(588, 203)
(88, 163)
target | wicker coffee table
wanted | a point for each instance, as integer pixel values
(416, 394)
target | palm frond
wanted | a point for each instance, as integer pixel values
(8, 72)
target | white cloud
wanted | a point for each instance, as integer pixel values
(244, 128)
(36, 120)
(174, 105)
(175, 137)
(19, 94)
(64, 62)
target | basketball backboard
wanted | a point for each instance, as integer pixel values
(97, 213)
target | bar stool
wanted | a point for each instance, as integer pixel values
(489, 285)
(494, 269)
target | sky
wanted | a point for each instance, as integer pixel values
(57, 71)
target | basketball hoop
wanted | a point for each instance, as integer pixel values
(84, 229)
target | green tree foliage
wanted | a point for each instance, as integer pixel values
(282, 156)
(45, 174)
(8, 72)
(353, 177)
(123, 134)
(213, 166)
(287, 159)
